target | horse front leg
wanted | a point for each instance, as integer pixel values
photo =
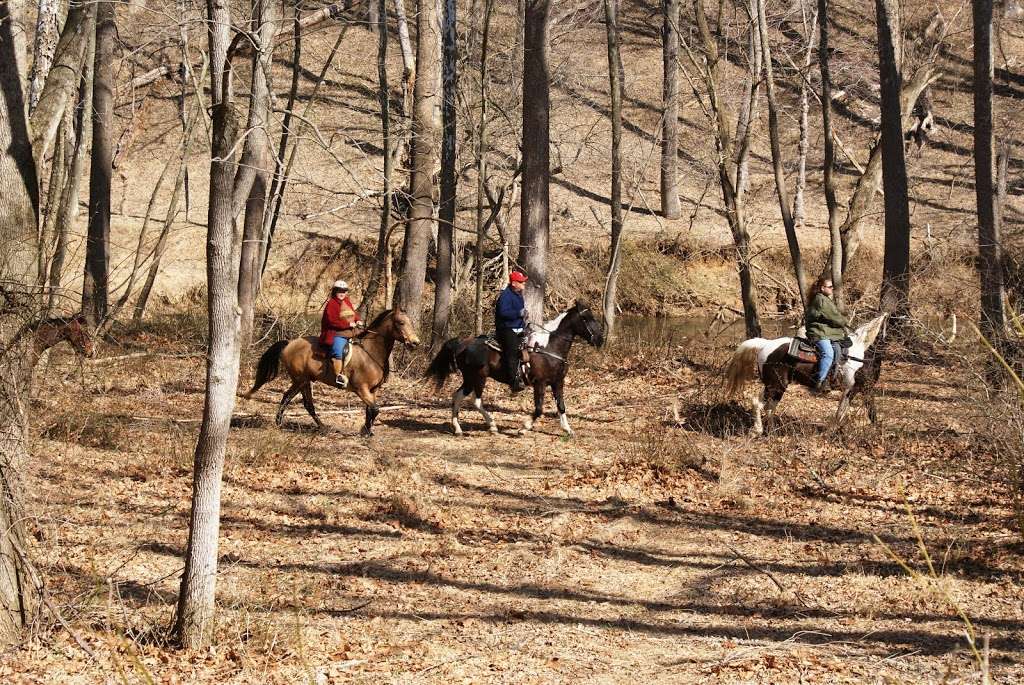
(772, 397)
(370, 400)
(538, 405)
(289, 395)
(844, 406)
(557, 388)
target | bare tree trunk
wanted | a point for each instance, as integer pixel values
(799, 210)
(534, 229)
(58, 171)
(749, 106)
(69, 195)
(895, 297)
(446, 213)
(253, 177)
(372, 14)
(194, 620)
(777, 162)
(611, 14)
(424, 156)
(990, 258)
(161, 242)
(836, 259)
(45, 44)
(398, 149)
(731, 170)
(97, 253)
(481, 170)
(384, 99)
(670, 116)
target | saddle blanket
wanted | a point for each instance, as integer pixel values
(804, 350)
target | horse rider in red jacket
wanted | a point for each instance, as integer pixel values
(339, 323)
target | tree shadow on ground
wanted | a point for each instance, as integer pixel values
(719, 420)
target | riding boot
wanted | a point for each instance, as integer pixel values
(340, 379)
(822, 387)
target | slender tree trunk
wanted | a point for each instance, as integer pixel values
(194, 620)
(611, 14)
(836, 260)
(670, 116)
(777, 162)
(895, 297)
(69, 194)
(799, 210)
(161, 242)
(749, 106)
(253, 177)
(424, 156)
(990, 258)
(481, 170)
(446, 213)
(384, 99)
(97, 252)
(398, 148)
(45, 44)
(731, 170)
(534, 229)
(59, 166)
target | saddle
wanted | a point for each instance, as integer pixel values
(803, 350)
(489, 341)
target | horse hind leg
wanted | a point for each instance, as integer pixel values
(478, 402)
(286, 399)
(307, 402)
(457, 399)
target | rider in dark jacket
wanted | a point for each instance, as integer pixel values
(825, 324)
(509, 322)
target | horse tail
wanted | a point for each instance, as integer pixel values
(742, 367)
(268, 366)
(443, 364)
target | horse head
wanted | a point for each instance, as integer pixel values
(74, 329)
(402, 328)
(585, 325)
(865, 335)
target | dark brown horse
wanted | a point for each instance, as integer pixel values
(307, 361)
(49, 332)
(548, 365)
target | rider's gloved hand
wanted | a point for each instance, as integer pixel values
(359, 324)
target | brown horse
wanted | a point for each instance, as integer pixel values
(49, 332)
(306, 361)
(549, 362)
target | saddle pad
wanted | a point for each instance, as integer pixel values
(490, 341)
(802, 350)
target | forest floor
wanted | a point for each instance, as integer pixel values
(647, 549)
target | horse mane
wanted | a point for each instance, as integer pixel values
(380, 318)
(869, 331)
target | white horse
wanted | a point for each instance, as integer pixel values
(770, 360)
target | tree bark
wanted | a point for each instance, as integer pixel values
(990, 258)
(481, 170)
(799, 210)
(446, 210)
(194, 619)
(777, 163)
(97, 252)
(895, 296)
(424, 157)
(670, 208)
(254, 169)
(535, 229)
(836, 259)
(384, 99)
(44, 45)
(611, 14)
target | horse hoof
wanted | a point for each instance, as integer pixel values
(493, 429)
(570, 434)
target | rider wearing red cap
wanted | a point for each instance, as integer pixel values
(338, 324)
(509, 322)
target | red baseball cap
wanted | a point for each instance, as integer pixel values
(517, 277)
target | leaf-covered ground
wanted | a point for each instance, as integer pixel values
(644, 550)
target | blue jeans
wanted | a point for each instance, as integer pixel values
(825, 357)
(338, 347)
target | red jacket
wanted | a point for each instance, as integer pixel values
(339, 315)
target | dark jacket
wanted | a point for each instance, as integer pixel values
(339, 317)
(824, 322)
(509, 309)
